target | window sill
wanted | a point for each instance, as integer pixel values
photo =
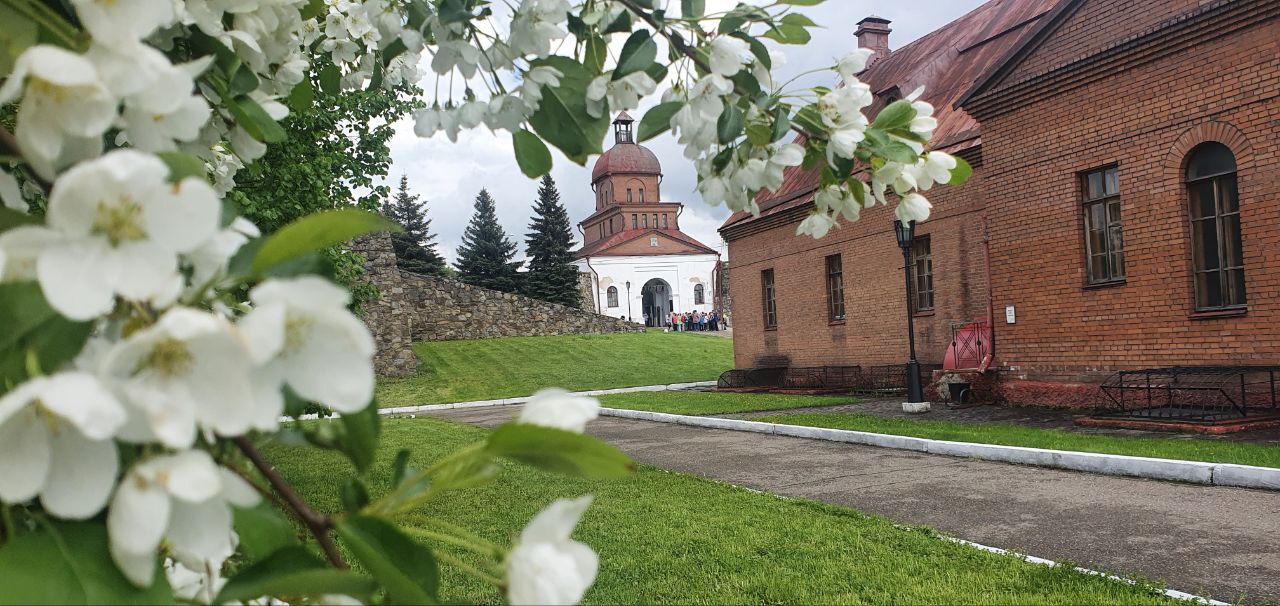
(1105, 285)
(840, 322)
(771, 329)
(925, 313)
(1214, 314)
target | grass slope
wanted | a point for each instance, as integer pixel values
(1165, 447)
(711, 403)
(673, 538)
(485, 369)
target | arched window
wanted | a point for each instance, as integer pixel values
(642, 195)
(1216, 250)
(613, 296)
(644, 221)
(698, 297)
(628, 194)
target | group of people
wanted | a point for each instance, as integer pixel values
(697, 321)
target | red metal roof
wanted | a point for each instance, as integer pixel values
(946, 62)
(601, 247)
(626, 158)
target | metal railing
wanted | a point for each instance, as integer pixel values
(1193, 393)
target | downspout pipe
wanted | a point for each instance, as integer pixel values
(990, 358)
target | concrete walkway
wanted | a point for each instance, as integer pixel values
(1212, 541)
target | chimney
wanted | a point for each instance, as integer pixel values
(873, 33)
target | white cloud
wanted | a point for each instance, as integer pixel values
(448, 176)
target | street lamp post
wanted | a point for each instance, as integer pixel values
(629, 300)
(915, 395)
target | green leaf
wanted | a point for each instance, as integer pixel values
(781, 124)
(293, 571)
(961, 173)
(317, 232)
(17, 33)
(897, 151)
(657, 120)
(897, 115)
(70, 564)
(330, 79)
(354, 495)
(405, 569)
(637, 54)
(788, 33)
(250, 116)
(262, 530)
(562, 118)
(182, 165)
(531, 154)
(692, 9)
(798, 19)
(597, 50)
(360, 436)
(10, 219)
(301, 97)
(558, 450)
(243, 81)
(730, 124)
(30, 325)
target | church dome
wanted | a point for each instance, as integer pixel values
(626, 158)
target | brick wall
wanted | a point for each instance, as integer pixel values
(874, 331)
(1143, 119)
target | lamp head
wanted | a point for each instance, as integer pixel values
(906, 233)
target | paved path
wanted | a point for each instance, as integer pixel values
(1222, 542)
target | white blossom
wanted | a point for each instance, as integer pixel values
(622, 94)
(122, 23)
(122, 226)
(11, 193)
(65, 108)
(173, 498)
(913, 207)
(852, 64)
(546, 566)
(727, 55)
(302, 334)
(55, 442)
(560, 409)
(816, 225)
(21, 247)
(536, 25)
(189, 370)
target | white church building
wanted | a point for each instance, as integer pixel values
(639, 263)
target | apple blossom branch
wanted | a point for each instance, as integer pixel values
(318, 523)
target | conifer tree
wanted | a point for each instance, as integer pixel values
(484, 259)
(549, 246)
(415, 246)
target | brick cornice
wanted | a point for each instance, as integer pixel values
(1207, 23)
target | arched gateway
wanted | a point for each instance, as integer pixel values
(632, 243)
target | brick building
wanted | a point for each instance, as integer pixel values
(1124, 211)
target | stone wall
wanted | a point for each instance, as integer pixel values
(423, 308)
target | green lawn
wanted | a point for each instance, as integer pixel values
(485, 369)
(711, 403)
(673, 538)
(1167, 446)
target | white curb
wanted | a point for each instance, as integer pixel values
(1194, 472)
(1173, 593)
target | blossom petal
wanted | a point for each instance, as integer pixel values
(145, 269)
(183, 216)
(138, 516)
(24, 453)
(84, 402)
(138, 567)
(557, 521)
(193, 476)
(81, 476)
(200, 534)
(75, 280)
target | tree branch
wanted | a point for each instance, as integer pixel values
(677, 42)
(318, 523)
(9, 145)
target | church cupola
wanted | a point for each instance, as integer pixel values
(622, 129)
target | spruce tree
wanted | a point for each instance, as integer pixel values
(484, 259)
(549, 247)
(415, 247)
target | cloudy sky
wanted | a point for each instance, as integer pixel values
(448, 176)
